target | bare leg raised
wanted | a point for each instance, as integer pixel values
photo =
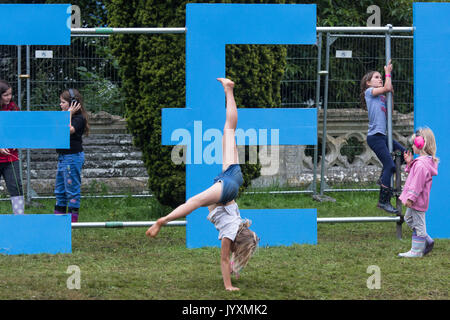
(208, 197)
(229, 149)
(230, 156)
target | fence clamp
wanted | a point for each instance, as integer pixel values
(390, 28)
(24, 76)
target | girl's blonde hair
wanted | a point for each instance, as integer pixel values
(430, 142)
(243, 246)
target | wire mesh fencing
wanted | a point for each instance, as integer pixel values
(88, 64)
(349, 160)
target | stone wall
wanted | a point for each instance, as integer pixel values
(114, 165)
(296, 167)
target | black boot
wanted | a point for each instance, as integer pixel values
(60, 210)
(385, 200)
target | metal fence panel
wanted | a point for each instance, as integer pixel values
(88, 64)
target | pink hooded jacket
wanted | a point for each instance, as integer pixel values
(418, 184)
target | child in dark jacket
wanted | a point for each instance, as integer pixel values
(70, 161)
(9, 158)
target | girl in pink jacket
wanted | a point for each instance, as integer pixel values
(416, 192)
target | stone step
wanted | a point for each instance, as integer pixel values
(111, 161)
(90, 173)
(49, 165)
(53, 157)
(122, 140)
(89, 186)
(89, 149)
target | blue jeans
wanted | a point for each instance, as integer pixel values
(68, 180)
(379, 144)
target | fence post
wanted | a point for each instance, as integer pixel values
(389, 94)
(325, 105)
(398, 188)
(316, 149)
(28, 199)
(398, 182)
(19, 102)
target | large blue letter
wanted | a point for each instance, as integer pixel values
(35, 129)
(432, 100)
(35, 24)
(209, 28)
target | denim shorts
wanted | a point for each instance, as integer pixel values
(231, 181)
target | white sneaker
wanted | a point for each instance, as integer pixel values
(411, 254)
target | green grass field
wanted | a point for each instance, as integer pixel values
(124, 264)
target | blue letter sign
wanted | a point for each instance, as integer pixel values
(209, 28)
(35, 24)
(432, 101)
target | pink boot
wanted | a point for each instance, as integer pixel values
(18, 205)
(74, 213)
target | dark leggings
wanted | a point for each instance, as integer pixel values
(11, 173)
(379, 144)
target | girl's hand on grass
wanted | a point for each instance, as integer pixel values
(232, 289)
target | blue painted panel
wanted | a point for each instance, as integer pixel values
(35, 24)
(35, 129)
(35, 233)
(212, 26)
(275, 227)
(283, 227)
(432, 100)
(291, 126)
(253, 23)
